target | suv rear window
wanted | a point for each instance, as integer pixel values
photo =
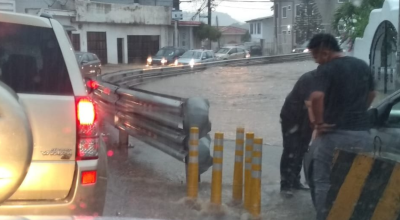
(31, 60)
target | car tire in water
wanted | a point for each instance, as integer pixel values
(16, 142)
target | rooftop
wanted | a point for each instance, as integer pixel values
(230, 30)
(259, 19)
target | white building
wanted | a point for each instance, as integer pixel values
(262, 31)
(117, 33)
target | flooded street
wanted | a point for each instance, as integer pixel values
(147, 183)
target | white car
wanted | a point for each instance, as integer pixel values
(231, 52)
(192, 57)
(67, 171)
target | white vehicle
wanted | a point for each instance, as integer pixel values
(67, 172)
(231, 52)
(192, 57)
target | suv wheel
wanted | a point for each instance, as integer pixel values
(16, 143)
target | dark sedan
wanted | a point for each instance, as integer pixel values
(165, 56)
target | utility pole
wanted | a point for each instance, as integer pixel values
(219, 44)
(209, 12)
(276, 25)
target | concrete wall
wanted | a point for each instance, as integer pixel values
(122, 31)
(389, 12)
(21, 5)
(268, 28)
(142, 2)
(122, 14)
(7, 5)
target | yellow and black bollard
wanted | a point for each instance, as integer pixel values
(193, 164)
(237, 188)
(216, 185)
(255, 200)
(247, 171)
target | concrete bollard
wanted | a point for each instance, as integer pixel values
(255, 200)
(193, 164)
(216, 184)
(247, 171)
(237, 186)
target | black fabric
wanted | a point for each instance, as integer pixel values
(346, 82)
(296, 130)
(294, 148)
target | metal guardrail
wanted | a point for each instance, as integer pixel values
(132, 78)
(159, 120)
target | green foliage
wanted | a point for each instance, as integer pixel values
(246, 37)
(205, 31)
(350, 20)
(308, 22)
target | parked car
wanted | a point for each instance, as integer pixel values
(68, 168)
(192, 57)
(165, 56)
(302, 48)
(385, 130)
(254, 50)
(90, 64)
(230, 52)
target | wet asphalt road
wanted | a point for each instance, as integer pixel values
(145, 183)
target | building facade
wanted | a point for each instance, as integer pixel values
(262, 31)
(286, 16)
(118, 31)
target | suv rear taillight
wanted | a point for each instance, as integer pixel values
(87, 129)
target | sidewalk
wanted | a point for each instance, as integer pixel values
(110, 68)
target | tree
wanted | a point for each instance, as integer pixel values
(205, 31)
(246, 37)
(308, 21)
(350, 19)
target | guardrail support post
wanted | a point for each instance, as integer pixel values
(247, 171)
(193, 164)
(255, 200)
(123, 139)
(237, 188)
(216, 184)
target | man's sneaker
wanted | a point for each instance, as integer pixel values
(300, 186)
(286, 192)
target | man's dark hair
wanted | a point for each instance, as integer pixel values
(326, 41)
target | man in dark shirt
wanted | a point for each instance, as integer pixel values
(296, 133)
(342, 94)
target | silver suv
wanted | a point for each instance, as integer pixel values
(67, 173)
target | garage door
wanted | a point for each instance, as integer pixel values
(97, 44)
(140, 47)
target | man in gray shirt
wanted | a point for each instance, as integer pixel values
(343, 92)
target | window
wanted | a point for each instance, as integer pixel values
(240, 50)
(210, 54)
(289, 7)
(298, 10)
(258, 28)
(251, 28)
(31, 60)
(283, 32)
(232, 51)
(284, 12)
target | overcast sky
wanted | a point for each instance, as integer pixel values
(241, 11)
